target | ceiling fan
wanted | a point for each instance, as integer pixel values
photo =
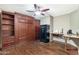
(38, 10)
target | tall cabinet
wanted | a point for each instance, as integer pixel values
(44, 33)
(25, 27)
(16, 27)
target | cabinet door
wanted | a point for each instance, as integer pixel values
(26, 28)
(31, 29)
(16, 28)
(21, 27)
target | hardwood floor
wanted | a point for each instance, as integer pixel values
(38, 48)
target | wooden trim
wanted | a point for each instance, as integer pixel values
(1, 42)
(23, 14)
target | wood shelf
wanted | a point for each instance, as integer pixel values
(8, 24)
(9, 36)
(7, 18)
(7, 30)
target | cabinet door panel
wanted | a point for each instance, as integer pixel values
(31, 30)
(21, 28)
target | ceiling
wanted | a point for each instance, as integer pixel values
(55, 9)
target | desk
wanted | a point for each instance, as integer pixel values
(66, 37)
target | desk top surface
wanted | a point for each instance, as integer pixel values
(71, 36)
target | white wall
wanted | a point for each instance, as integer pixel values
(45, 20)
(74, 21)
(60, 22)
(21, 8)
(69, 21)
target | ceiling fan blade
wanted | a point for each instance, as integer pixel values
(42, 14)
(30, 11)
(45, 10)
(35, 6)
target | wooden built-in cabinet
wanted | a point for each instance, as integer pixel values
(7, 30)
(16, 27)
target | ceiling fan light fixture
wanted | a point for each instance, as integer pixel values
(37, 12)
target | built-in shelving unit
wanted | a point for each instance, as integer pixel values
(7, 28)
(7, 24)
(16, 27)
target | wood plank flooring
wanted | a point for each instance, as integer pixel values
(37, 48)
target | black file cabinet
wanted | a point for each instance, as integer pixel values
(44, 33)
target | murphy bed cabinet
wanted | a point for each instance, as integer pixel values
(16, 27)
(24, 27)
